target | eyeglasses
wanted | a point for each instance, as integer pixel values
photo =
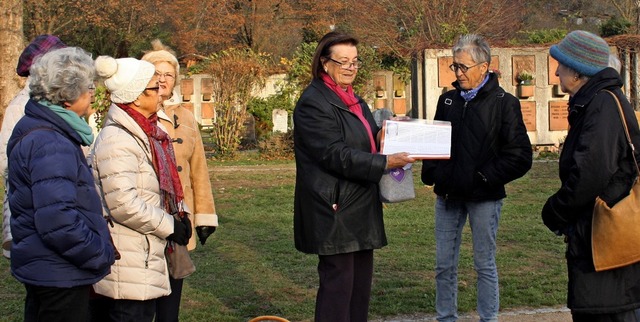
(346, 65)
(92, 88)
(165, 75)
(455, 66)
(155, 89)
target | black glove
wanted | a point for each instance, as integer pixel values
(187, 222)
(180, 231)
(204, 232)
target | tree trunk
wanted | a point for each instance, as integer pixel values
(11, 45)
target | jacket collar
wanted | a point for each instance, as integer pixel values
(330, 96)
(606, 78)
(491, 85)
(45, 114)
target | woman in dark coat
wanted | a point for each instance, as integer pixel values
(595, 161)
(338, 213)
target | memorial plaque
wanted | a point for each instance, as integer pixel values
(280, 118)
(186, 88)
(206, 110)
(521, 63)
(206, 88)
(445, 75)
(399, 106)
(529, 114)
(558, 116)
(553, 65)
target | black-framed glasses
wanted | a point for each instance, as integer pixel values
(463, 68)
(155, 89)
(165, 75)
(346, 65)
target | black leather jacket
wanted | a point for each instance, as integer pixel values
(337, 208)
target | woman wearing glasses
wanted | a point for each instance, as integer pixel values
(134, 164)
(191, 162)
(489, 148)
(337, 210)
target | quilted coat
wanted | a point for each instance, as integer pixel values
(595, 161)
(191, 161)
(337, 208)
(60, 238)
(122, 165)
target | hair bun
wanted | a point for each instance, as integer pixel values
(106, 66)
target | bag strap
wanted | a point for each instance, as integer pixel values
(626, 130)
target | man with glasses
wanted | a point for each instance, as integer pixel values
(489, 148)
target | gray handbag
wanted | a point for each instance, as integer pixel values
(396, 185)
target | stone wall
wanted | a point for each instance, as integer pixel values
(544, 112)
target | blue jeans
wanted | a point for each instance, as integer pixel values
(451, 217)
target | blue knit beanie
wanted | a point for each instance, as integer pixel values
(583, 52)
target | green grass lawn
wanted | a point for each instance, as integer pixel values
(249, 267)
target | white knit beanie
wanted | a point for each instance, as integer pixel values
(125, 78)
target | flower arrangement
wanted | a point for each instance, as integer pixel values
(525, 77)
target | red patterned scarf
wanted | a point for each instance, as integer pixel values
(164, 162)
(352, 102)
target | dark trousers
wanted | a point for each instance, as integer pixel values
(168, 307)
(628, 316)
(345, 287)
(56, 304)
(105, 309)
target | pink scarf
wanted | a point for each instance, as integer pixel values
(349, 99)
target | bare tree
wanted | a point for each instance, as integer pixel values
(11, 45)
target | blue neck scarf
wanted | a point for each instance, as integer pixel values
(471, 94)
(76, 123)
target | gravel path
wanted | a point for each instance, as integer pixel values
(559, 314)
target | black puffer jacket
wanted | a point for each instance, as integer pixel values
(489, 145)
(337, 208)
(595, 161)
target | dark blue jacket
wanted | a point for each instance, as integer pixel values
(60, 238)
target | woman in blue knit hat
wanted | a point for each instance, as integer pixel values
(595, 161)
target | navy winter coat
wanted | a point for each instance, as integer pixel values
(337, 205)
(60, 238)
(595, 161)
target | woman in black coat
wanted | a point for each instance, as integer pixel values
(337, 210)
(595, 161)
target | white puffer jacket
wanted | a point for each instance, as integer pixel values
(123, 169)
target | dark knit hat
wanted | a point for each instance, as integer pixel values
(39, 46)
(583, 52)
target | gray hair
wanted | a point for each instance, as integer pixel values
(475, 46)
(61, 75)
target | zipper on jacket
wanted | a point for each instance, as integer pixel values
(336, 198)
(464, 109)
(146, 260)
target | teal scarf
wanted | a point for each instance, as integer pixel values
(76, 123)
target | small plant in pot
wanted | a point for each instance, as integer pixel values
(525, 77)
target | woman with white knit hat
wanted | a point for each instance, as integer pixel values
(183, 129)
(595, 161)
(134, 165)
